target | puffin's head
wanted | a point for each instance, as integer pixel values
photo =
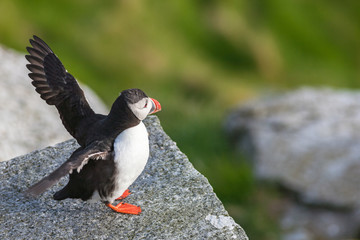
(139, 103)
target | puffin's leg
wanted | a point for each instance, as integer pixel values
(125, 208)
(124, 195)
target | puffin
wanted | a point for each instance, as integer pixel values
(114, 148)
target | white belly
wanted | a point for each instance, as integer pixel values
(131, 149)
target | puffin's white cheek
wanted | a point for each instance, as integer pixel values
(139, 111)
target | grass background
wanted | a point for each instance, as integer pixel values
(199, 59)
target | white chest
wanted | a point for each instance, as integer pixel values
(131, 149)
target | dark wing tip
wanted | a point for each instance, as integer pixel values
(30, 194)
(39, 188)
(29, 49)
(40, 45)
(48, 181)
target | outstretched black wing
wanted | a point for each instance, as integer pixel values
(95, 151)
(56, 86)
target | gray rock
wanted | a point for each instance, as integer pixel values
(302, 222)
(308, 140)
(177, 201)
(27, 122)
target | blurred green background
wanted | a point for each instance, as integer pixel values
(199, 59)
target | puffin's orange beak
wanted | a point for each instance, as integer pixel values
(155, 106)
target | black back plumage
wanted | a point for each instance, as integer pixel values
(94, 132)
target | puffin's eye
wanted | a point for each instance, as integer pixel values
(145, 105)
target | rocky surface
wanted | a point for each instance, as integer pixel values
(177, 201)
(27, 122)
(308, 141)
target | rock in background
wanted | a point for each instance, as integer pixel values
(177, 201)
(27, 122)
(309, 142)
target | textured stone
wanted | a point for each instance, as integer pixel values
(177, 201)
(27, 122)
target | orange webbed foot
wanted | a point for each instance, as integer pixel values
(125, 208)
(124, 195)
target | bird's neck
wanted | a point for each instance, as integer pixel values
(120, 117)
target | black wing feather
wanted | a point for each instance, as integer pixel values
(56, 86)
(35, 52)
(35, 60)
(35, 68)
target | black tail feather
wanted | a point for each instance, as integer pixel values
(62, 194)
